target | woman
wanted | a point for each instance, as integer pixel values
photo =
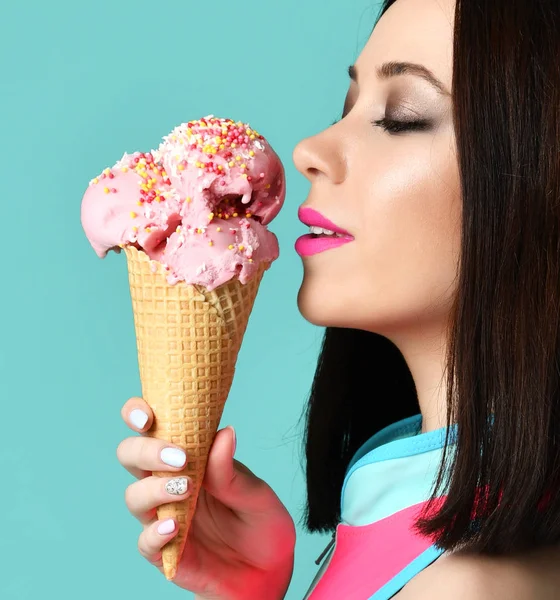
(442, 308)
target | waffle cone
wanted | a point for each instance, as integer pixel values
(188, 340)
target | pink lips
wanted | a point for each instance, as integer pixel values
(309, 244)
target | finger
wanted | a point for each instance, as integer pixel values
(142, 455)
(137, 414)
(143, 497)
(150, 541)
(230, 481)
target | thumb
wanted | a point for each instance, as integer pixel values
(228, 480)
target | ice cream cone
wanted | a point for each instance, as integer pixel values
(188, 339)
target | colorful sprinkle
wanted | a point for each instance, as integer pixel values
(218, 145)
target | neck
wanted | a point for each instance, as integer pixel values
(424, 350)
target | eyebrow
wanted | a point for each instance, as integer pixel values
(393, 68)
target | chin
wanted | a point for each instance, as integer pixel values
(325, 307)
(326, 302)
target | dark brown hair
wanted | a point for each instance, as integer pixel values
(503, 361)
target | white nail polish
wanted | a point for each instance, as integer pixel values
(173, 457)
(138, 418)
(166, 527)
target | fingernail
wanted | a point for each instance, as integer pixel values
(173, 457)
(234, 439)
(166, 527)
(177, 486)
(138, 418)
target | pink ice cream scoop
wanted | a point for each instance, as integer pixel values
(199, 204)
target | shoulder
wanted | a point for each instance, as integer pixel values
(531, 576)
(455, 576)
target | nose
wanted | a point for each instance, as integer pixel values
(320, 156)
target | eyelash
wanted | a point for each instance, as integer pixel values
(395, 127)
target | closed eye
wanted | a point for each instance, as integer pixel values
(393, 126)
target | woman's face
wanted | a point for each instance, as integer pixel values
(396, 193)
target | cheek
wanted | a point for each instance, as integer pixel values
(411, 233)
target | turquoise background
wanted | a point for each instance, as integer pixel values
(81, 83)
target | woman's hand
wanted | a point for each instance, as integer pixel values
(242, 539)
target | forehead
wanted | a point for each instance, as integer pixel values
(419, 31)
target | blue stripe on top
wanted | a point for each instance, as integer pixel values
(393, 470)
